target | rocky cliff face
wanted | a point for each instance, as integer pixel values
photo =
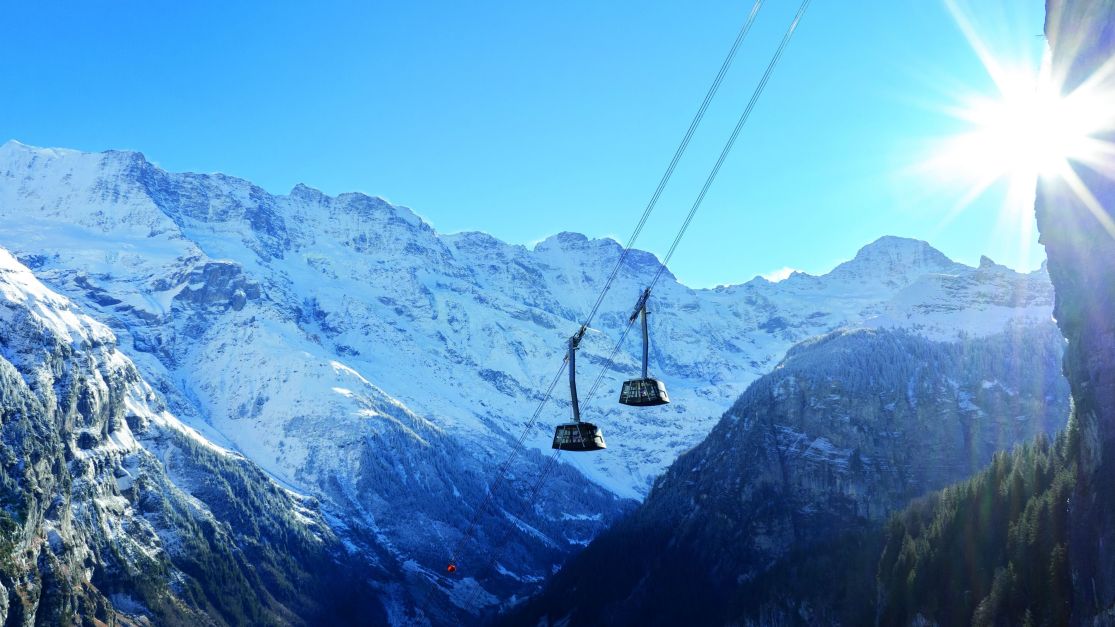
(114, 512)
(1077, 228)
(847, 429)
(1045, 515)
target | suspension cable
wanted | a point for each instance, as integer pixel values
(501, 472)
(744, 116)
(732, 139)
(608, 362)
(668, 174)
(760, 87)
(663, 181)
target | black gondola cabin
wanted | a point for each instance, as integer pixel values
(579, 436)
(644, 391)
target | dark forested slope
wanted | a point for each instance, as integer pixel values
(799, 475)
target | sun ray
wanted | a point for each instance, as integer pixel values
(1027, 128)
(974, 191)
(978, 45)
(1086, 198)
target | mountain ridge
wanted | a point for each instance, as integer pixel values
(313, 333)
(305, 191)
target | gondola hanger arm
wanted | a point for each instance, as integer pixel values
(640, 305)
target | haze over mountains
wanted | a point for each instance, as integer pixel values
(359, 356)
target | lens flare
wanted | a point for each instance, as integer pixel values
(1027, 130)
(1030, 127)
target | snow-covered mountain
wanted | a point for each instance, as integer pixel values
(462, 328)
(113, 509)
(355, 353)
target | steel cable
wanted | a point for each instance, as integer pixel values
(667, 175)
(740, 123)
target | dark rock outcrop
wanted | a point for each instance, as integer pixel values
(1077, 224)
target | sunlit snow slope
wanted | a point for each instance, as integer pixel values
(463, 329)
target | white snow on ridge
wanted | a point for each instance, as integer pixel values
(19, 287)
(21, 291)
(455, 334)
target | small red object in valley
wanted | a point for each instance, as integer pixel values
(451, 568)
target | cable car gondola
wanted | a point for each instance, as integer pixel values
(583, 436)
(577, 436)
(645, 391)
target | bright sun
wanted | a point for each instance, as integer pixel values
(1027, 129)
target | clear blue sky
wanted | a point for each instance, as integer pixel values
(523, 119)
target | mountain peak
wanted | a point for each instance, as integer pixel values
(306, 192)
(20, 155)
(894, 247)
(376, 207)
(988, 265)
(14, 147)
(477, 240)
(892, 257)
(563, 241)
